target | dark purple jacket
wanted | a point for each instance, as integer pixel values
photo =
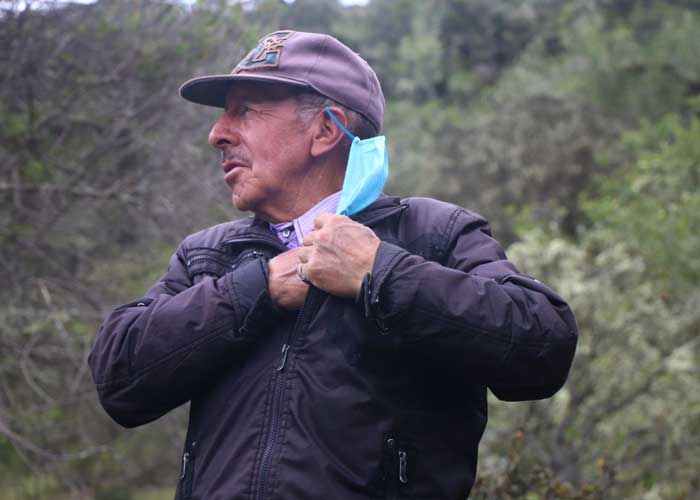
(382, 397)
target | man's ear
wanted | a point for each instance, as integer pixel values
(326, 134)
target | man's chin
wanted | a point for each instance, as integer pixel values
(244, 204)
(239, 203)
(248, 205)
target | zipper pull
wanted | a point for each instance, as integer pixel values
(402, 467)
(185, 459)
(283, 361)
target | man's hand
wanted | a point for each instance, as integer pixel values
(338, 254)
(286, 288)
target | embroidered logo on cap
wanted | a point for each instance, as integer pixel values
(266, 54)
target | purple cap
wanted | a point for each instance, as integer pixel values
(312, 60)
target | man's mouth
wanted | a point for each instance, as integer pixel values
(231, 170)
(230, 165)
(232, 162)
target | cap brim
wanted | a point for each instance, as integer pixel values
(211, 90)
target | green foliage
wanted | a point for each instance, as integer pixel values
(645, 46)
(629, 396)
(654, 201)
(632, 280)
(519, 475)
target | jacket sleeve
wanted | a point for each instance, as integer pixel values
(156, 353)
(477, 313)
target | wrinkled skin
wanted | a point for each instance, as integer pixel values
(335, 258)
(338, 254)
(286, 287)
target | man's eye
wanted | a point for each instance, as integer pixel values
(240, 110)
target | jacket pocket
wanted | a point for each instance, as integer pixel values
(395, 477)
(184, 488)
(203, 262)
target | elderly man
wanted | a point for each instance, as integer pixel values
(327, 356)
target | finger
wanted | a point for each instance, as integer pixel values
(300, 274)
(322, 220)
(303, 254)
(309, 239)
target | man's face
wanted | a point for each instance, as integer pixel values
(265, 149)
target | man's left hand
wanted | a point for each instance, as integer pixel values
(338, 254)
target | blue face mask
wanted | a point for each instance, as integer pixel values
(366, 173)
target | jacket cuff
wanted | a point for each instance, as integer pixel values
(247, 289)
(370, 296)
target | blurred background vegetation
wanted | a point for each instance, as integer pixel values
(574, 126)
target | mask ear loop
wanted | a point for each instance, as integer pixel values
(337, 122)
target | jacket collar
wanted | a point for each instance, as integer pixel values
(385, 206)
(254, 228)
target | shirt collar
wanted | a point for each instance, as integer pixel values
(304, 224)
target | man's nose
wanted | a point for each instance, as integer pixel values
(223, 133)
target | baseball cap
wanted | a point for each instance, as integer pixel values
(311, 60)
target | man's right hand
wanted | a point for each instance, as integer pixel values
(286, 288)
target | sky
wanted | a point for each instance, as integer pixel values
(20, 5)
(344, 2)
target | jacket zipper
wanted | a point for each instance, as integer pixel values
(254, 253)
(392, 491)
(266, 460)
(241, 258)
(197, 258)
(278, 392)
(187, 472)
(283, 360)
(185, 459)
(270, 241)
(403, 477)
(398, 468)
(278, 375)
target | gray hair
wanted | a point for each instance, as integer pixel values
(310, 103)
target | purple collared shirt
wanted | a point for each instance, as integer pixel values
(292, 233)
